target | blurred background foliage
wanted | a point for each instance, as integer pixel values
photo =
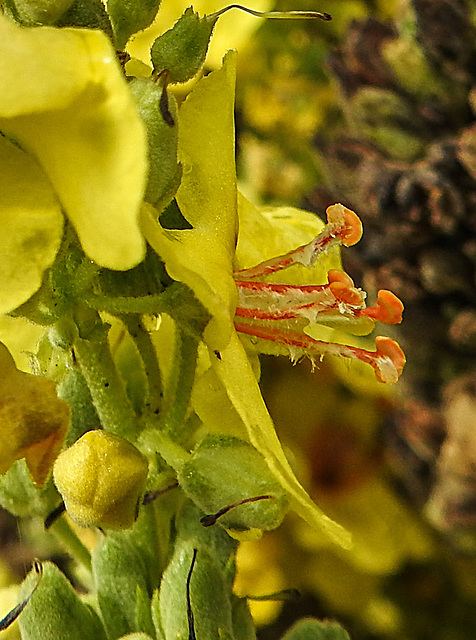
(375, 110)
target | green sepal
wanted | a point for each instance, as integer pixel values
(122, 564)
(137, 636)
(143, 612)
(84, 417)
(20, 497)
(210, 582)
(89, 14)
(56, 612)
(156, 617)
(224, 470)
(181, 51)
(310, 629)
(130, 16)
(125, 564)
(243, 623)
(37, 12)
(158, 109)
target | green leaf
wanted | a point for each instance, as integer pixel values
(130, 16)
(137, 636)
(156, 617)
(56, 612)
(316, 630)
(181, 51)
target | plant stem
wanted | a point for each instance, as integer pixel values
(180, 383)
(146, 350)
(107, 390)
(64, 532)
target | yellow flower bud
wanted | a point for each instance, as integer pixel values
(34, 420)
(101, 479)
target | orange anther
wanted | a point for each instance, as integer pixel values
(388, 308)
(336, 275)
(353, 231)
(388, 348)
(391, 305)
(342, 292)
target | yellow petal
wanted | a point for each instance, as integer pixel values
(34, 420)
(77, 116)
(31, 223)
(202, 257)
(236, 374)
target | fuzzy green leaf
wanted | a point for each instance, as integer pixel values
(130, 16)
(181, 51)
(56, 612)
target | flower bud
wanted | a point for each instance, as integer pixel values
(230, 480)
(101, 479)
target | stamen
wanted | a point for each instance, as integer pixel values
(283, 15)
(387, 361)
(353, 230)
(343, 227)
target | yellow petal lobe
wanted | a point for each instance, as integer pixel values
(76, 115)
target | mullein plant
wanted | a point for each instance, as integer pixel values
(404, 157)
(154, 285)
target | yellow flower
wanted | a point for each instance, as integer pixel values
(34, 420)
(203, 258)
(70, 139)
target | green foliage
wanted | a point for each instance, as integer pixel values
(181, 51)
(56, 612)
(130, 16)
